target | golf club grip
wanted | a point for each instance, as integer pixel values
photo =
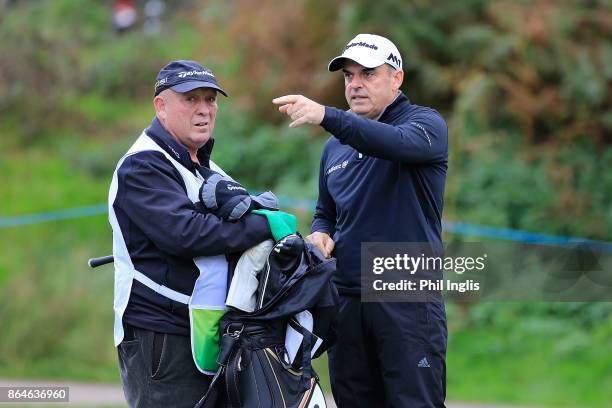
(103, 260)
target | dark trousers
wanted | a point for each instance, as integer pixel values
(157, 370)
(389, 355)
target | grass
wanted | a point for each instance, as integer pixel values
(486, 365)
(56, 313)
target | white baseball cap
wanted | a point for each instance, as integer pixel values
(369, 50)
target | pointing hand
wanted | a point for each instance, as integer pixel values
(300, 109)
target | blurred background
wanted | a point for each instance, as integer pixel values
(525, 87)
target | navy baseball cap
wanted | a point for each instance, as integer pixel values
(184, 76)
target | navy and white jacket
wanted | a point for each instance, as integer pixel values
(381, 181)
(164, 230)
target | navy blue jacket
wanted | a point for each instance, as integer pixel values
(164, 231)
(381, 181)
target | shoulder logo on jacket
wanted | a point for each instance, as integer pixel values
(337, 167)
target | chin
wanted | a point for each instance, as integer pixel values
(360, 110)
(201, 139)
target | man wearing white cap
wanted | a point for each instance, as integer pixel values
(382, 179)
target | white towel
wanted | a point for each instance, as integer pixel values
(242, 292)
(293, 338)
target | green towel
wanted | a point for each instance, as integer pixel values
(281, 223)
(205, 337)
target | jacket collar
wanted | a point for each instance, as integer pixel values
(166, 141)
(394, 108)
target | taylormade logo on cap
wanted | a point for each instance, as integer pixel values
(369, 50)
(184, 76)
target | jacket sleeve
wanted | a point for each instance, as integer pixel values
(422, 139)
(152, 194)
(324, 219)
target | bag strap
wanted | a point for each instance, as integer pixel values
(161, 289)
(209, 400)
(229, 356)
(231, 380)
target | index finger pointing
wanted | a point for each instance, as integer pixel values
(281, 100)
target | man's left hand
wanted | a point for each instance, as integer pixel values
(300, 109)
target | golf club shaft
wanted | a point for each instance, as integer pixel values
(103, 260)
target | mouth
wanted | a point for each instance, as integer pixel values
(358, 98)
(201, 125)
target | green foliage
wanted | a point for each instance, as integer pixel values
(60, 187)
(505, 193)
(56, 52)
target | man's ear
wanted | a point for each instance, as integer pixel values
(398, 78)
(160, 107)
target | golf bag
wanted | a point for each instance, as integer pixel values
(265, 356)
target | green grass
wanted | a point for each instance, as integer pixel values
(487, 365)
(56, 313)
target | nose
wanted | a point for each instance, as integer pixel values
(203, 108)
(355, 83)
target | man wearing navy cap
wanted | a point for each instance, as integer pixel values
(381, 179)
(170, 253)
